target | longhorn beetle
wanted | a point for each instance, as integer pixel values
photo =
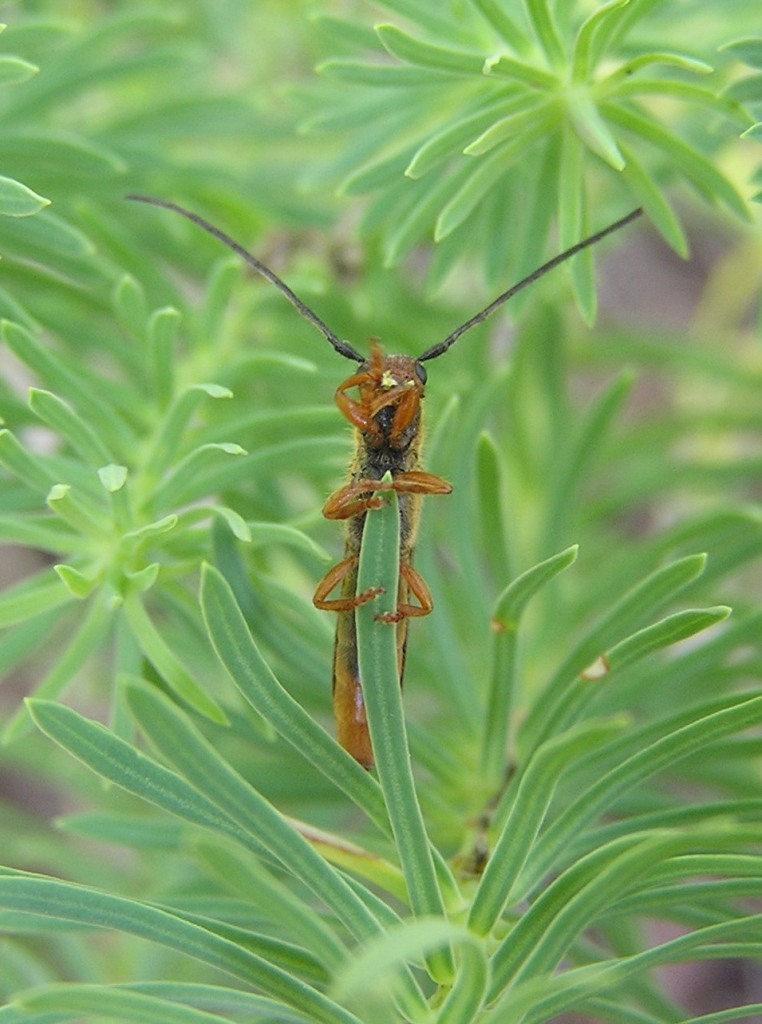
(386, 416)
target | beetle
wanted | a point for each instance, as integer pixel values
(387, 417)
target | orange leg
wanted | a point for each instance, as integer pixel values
(332, 579)
(352, 499)
(419, 590)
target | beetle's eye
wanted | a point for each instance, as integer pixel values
(420, 372)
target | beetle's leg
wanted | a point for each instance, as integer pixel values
(407, 409)
(419, 482)
(332, 579)
(347, 501)
(420, 591)
(359, 414)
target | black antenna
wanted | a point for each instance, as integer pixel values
(437, 350)
(342, 347)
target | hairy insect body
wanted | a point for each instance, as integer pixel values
(387, 420)
(372, 462)
(388, 434)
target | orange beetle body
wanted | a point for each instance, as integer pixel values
(388, 425)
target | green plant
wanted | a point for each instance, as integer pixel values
(577, 768)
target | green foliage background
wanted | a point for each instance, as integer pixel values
(164, 411)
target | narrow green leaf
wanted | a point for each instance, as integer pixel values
(76, 385)
(654, 757)
(154, 529)
(591, 128)
(488, 170)
(527, 813)
(76, 512)
(545, 28)
(450, 140)
(504, 668)
(219, 999)
(117, 761)
(496, 15)
(469, 991)
(501, 697)
(254, 678)
(665, 633)
(163, 325)
(377, 656)
(130, 306)
(747, 50)
(187, 481)
(236, 523)
(425, 203)
(572, 221)
(413, 51)
(60, 154)
(713, 103)
(718, 811)
(78, 904)
(114, 479)
(700, 171)
(77, 583)
(223, 280)
(670, 60)
(183, 745)
(62, 418)
(299, 453)
(731, 1016)
(541, 999)
(381, 76)
(482, 179)
(166, 662)
(583, 60)
(143, 579)
(51, 239)
(86, 639)
(435, 20)
(28, 468)
(292, 957)
(577, 455)
(554, 709)
(355, 113)
(347, 32)
(14, 70)
(514, 599)
(513, 127)
(43, 532)
(492, 502)
(216, 998)
(16, 200)
(31, 598)
(375, 174)
(267, 534)
(502, 66)
(111, 1003)
(573, 901)
(248, 877)
(370, 974)
(651, 198)
(168, 439)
